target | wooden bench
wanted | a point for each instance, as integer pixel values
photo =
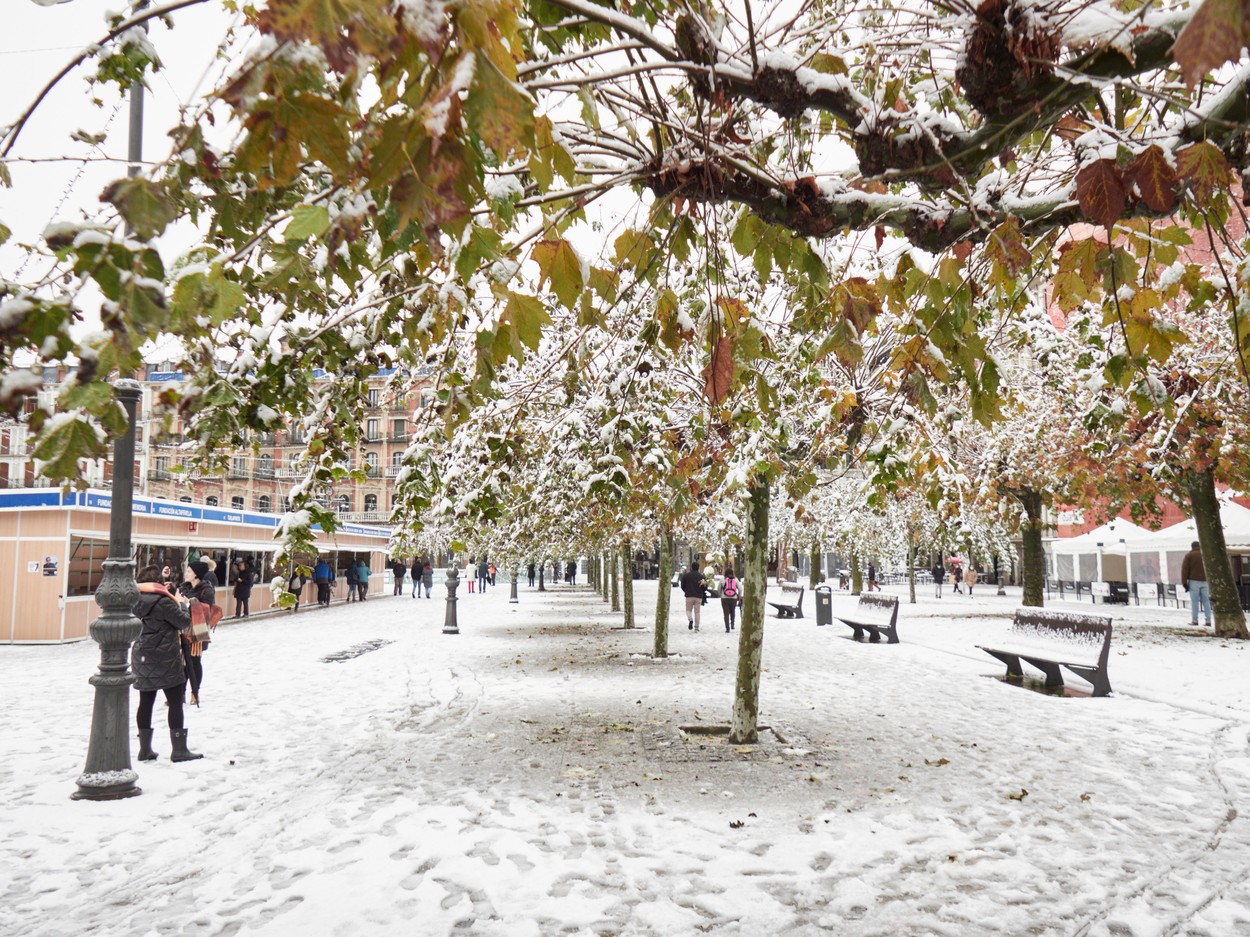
(876, 614)
(1050, 641)
(790, 611)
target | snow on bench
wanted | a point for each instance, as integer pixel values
(876, 614)
(1053, 640)
(790, 611)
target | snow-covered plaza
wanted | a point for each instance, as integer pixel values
(531, 776)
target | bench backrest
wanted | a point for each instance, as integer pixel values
(1082, 638)
(882, 606)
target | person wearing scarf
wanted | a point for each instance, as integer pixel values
(202, 590)
(157, 663)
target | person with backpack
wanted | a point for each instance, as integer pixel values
(730, 595)
(323, 576)
(353, 580)
(295, 586)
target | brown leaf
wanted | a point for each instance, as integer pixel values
(1204, 167)
(1212, 37)
(1155, 179)
(1006, 245)
(879, 234)
(718, 374)
(962, 251)
(1100, 192)
(1069, 127)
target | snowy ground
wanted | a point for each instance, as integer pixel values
(530, 777)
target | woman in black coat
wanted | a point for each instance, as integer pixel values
(243, 579)
(199, 588)
(156, 660)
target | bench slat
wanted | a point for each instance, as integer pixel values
(1053, 640)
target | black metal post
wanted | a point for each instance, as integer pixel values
(541, 568)
(108, 775)
(450, 625)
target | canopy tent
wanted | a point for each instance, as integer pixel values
(1097, 556)
(1156, 557)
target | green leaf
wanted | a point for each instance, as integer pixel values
(143, 204)
(61, 446)
(499, 112)
(307, 221)
(524, 316)
(559, 264)
(5, 233)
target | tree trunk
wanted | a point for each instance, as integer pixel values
(664, 596)
(744, 728)
(857, 577)
(1230, 620)
(627, 584)
(912, 550)
(813, 578)
(783, 561)
(1034, 554)
(542, 568)
(614, 565)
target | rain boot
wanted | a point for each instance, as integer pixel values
(178, 739)
(145, 745)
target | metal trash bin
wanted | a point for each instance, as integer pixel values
(824, 605)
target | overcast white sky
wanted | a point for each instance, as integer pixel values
(34, 45)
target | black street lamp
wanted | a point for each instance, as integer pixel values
(108, 775)
(449, 622)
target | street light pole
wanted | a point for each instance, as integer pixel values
(108, 775)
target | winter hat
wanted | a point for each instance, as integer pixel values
(200, 569)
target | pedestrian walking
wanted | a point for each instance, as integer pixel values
(362, 579)
(939, 574)
(730, 592)
(398, 571)
(193, 648)
(417, 569)
(353, 583)
(323, 576)
(970, 579)
(692, 587)
(1194, 581)
(533, 572)
(243, 580)
(956, 576)
(471, 572)
(157, 662)
(427, 577)
(483, 575)
(295, 585)
(872, 578)
(490, 569)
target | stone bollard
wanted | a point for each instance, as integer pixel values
(449, 622)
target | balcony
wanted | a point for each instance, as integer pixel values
(364, 517)
(265, 474)
(159, 475)
(237, 474)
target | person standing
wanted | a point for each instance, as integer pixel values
(353, 583)
(211, 563)
(970, 578)
(398, 571)
(471, 572)
(730, 591)
(483, 575)
(1194, 580)
(417, 569)
(956, 577)
(872, 577)
(157, 662)
(322, 576)
(295, 585)
(193, 648)
(490, 569)
(362, 579)
(243, 580)
(692, 587)
(533, 572)
(939, 574)
(427, 577)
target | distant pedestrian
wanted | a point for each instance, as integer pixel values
(157, 662)
(417, 569)
(193, 648)
(692, 587)
(490, 568)
(353, 583)
(295, 586)
(427, 577)
(211, 576)
(362, 579)
(398, 571)
(970, 579)
(323, 576)
(956, 577)
(730, 593)
(471, 572)
(1194, 580)
(939, 575)
(533, 572)
(570, 572)
(483, 575)
(243, 580)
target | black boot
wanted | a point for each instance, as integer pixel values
(178, 739)
(145, 745)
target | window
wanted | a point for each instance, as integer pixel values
(375, 397)
(85, 565)
(236, 502)
(265, 468)
(371, 504)
(394, 501)
(373, 429)
(211, 501)
(264, 504)
(427, 398)
(371, 463)
(238, 467)
(399, 429)
(344, 504)
(397, 459)
(185, 499)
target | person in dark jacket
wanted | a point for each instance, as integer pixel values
(1194, 579)
(295, 585)
(730, 597)
(210, 576)
(353, 582)
(398, 571)
(243, 580)
(362, 579)
(323, 576)
(533, 572)
(157, 662)
(202, 591)
(939, 575)
(693, 588)
(427, 577)
(483, 575)
(418, 568)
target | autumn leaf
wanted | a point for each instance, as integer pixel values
(1204, 167)
(1155, 179)
(718, 374)
(339, 27)
(499, 112)
(1213, 36)
(142, 203)
(1006, 247)
(855, 300)
(1100, 192)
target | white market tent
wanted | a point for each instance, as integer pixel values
(1100, 555)
(1156, 557)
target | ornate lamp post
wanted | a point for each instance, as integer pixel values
(108, 775)
(449, 622)
(512, 599)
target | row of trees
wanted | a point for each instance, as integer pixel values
(687, 269)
